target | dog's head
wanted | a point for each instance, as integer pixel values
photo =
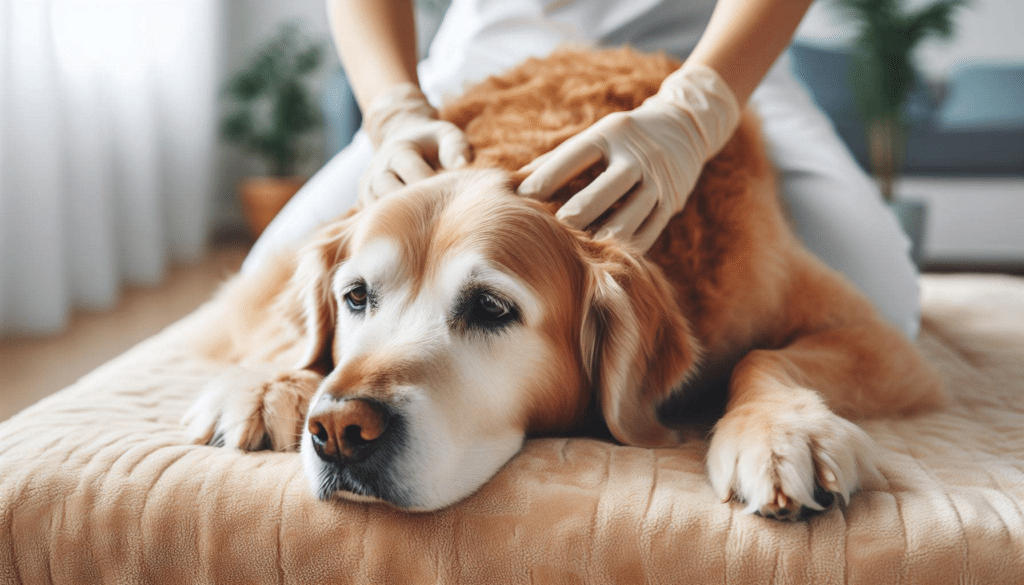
(451, 320)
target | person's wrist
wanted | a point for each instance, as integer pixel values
(391, 106)
(699, 93)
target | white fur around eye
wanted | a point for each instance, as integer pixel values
(377, 263)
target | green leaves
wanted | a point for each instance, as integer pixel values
(274, 81)
(884, 71)
(294, 113)
(309, 60)
(935, 20)
(237, 127)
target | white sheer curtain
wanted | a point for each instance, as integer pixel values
(107, 137)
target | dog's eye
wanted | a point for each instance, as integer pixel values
(356, 298)
(490, 311)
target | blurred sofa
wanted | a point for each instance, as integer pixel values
(970, 125)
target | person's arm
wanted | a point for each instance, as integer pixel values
(376, 40)
(744, 38)
(656, 152)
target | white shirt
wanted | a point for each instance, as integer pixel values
(478, 38)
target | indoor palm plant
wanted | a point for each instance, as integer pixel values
(271, 110)
(883, 76)
(884, 72)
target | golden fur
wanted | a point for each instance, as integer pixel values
(727, 307)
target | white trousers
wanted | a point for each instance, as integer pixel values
(834, 207)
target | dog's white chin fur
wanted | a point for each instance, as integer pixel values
(436, 468)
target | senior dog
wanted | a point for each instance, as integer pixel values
(410, 347)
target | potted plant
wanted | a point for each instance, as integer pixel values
(270, 112)
(883, 76)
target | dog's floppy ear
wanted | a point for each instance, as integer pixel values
(308, 300)
(637, 346)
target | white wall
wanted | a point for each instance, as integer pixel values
(970, 219)
(986, 30)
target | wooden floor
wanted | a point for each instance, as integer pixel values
(31, 369)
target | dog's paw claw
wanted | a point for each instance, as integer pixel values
(785, 508)
(728, 496)
(782, 507)
(828, 483)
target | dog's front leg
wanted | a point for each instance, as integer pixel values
(781, 448)
(253, 408)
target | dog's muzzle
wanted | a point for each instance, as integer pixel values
(357, 440)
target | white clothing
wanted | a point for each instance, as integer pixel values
(834, 206)
(478, 38)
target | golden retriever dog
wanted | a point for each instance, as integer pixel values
(410, 347)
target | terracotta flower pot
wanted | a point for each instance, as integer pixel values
(263, 197)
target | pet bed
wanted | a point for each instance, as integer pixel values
(98, 485)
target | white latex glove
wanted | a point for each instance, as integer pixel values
(659, 148)
(405, 131)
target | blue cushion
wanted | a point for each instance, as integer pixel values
(985, 97)
(827, 74)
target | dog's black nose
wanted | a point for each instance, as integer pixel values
(347, 432)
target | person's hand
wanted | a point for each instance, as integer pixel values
(656, 150)
(408, 137)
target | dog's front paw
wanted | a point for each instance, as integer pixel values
(250, 409)
(788, 464)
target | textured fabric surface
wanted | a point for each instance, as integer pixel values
(96, 485)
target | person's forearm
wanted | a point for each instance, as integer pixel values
(376, 40)
(745, 37)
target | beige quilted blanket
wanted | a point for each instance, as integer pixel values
(96, 486)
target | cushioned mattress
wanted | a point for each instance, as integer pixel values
(98, 485)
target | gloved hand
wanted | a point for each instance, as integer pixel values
(659, 148)
(404, 129)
